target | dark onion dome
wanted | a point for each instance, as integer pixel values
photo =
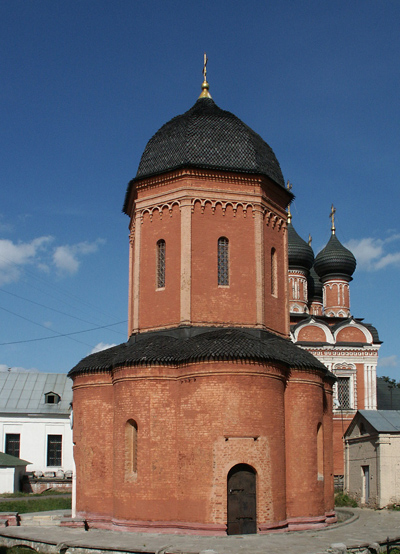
(335, 260)
(314, 286)
(301, 255)
(207, 137)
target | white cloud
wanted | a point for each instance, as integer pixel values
(67, 258)
(371, 254)
(101, 346)
(13, 256)
(388, 361)
(41, 254)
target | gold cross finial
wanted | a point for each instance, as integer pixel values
(205, 67)
(332, 216)
(289, 187)
(205, 86)
(309, 240)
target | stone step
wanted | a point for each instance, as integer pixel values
(43, 518)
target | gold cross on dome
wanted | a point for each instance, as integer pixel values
(309, 240)
(289, 185)
(205, 67)
(332, 216)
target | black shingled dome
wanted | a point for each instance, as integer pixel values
(335, 260)
(314, 286)
(207, 137)
(301, 255)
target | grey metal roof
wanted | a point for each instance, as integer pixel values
(24, 392)
(383, 421)
(11, 461)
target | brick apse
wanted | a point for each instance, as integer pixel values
(209, 420)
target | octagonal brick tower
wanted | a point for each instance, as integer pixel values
(208, 420)
(208, 188)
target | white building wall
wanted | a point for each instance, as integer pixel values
(389, 469)
(7, 479)
(33, 433)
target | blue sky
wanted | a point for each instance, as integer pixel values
(84, 86)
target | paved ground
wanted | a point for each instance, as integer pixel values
(366, 527)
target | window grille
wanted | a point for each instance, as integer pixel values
(223, 261)
(161, 264)
(274, 276)
(12, 444)
(343, 390)
(54, 450)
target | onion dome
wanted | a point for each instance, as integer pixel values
(335, 260)
(207, 137)
(301, 255)
(314, 286)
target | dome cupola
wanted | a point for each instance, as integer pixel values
(335, 260)
(301, 255)
(314, 286)
(335, 266)
(207, 137)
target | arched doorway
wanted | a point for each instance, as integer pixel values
(242, 500)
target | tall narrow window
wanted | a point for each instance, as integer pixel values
(223, 261)
(274, 273)
(160, 277)
(12, 444)
(320, 452)
(131, 430)
(54, 450)
(343, 393)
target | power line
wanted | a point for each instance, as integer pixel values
(59, 335)
(52, 309)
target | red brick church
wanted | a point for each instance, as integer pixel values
(321, 323)
(209, 419)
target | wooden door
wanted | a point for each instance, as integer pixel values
(242, 500)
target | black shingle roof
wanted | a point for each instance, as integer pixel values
(192, 344)
(314, 286)
(301, 255)
(207, 137)
(335, 260)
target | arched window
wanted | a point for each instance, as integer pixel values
(320, 452)
(274, 273)
(223, 261)
(131, 432)
(160, 273)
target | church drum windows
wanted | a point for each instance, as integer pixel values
(160, 264)
(131, 432)
(223, 262)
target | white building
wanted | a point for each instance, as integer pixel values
(372, 458)
(35, 425)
